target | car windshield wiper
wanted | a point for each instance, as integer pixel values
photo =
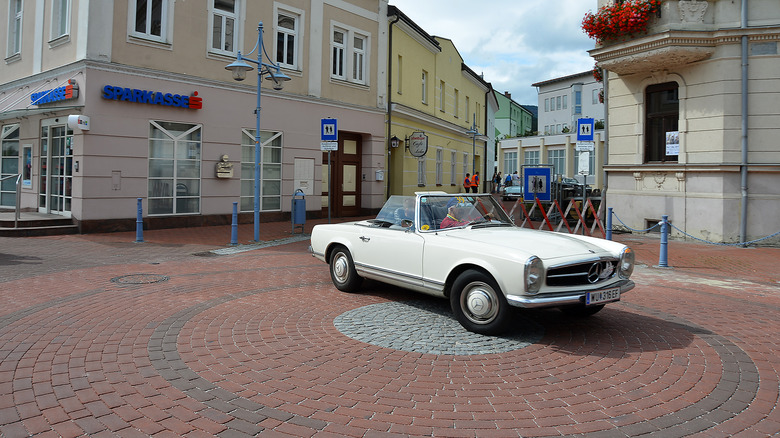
(380, 223)
(484, 223)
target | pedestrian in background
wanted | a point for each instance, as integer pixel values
(467, 183)
(475, 182)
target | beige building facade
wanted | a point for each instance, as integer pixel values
(693, 120)
(155, 115)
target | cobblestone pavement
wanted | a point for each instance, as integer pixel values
(101, 336)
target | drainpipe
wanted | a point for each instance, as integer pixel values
(389, 102)
(744, 166)
(605, 80)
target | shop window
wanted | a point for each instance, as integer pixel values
(150, 19)
(14, 28)
(662, 112)
(287, 35)
(270, 170)
(174, 168)
(224, 26)
(9, 164)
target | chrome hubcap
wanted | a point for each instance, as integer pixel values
(479, 303)
(340, 268)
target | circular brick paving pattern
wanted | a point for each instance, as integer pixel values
(425, 327)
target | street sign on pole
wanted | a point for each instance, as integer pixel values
(585, 129)
(329, 131)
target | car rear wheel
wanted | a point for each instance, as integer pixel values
(342, 270)
(478, 303)
(581, 311)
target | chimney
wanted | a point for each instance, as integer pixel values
(508, 94)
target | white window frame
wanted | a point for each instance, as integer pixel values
(14, 34)
(421, 177)
(531, 158)
(442, 95)
(353, 60)
(439, 166)
(268, 196)
(166, 21)
(465, 164)
(456, 102)
(338, 53)
(296, 33)
(178, 141)
(223, 16)
(557, 157)
(60, 19)
(453, 164)
(424, 87)
(510, 162)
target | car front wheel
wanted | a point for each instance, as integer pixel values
(478, 303)
(342, 270)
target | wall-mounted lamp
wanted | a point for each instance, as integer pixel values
(394, 141)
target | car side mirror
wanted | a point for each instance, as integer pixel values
(406, 223)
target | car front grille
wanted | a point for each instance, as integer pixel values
(582, 274)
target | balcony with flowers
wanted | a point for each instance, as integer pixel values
(635, 36)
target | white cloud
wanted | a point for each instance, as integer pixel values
(514, 43)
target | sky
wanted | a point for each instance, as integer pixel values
(513, 43)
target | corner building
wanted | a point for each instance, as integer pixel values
(155, 115)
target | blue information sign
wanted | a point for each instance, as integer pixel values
(329, 130)
(536, 183)
(585, 129)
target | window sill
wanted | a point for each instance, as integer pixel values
(59, 41)
(13, 58)
(348, 83)
(149, 42)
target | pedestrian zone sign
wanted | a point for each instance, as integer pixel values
(585, 129)
(329, 130)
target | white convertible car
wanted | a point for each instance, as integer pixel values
(464, 247)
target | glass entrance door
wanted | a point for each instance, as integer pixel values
(56, 171)
(9, 164)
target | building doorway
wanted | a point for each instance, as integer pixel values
(56, 168)
(345, 165)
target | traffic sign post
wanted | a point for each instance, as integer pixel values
(329, 141)
(585, 129)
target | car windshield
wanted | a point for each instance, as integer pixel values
(443, 211)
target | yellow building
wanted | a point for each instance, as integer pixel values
(435, 100)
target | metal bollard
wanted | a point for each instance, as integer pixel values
(139, 222)
(609, 223)
(662, 257)
(234, 225)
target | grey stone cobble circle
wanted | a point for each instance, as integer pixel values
(423, 327)
(140, 279)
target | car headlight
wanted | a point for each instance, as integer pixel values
(626, 263)
(534, 275)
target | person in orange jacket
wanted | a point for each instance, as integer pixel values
(475, 182)
(467, 183)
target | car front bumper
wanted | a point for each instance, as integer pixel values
(562, 299)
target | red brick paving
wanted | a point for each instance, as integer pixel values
(246, 343)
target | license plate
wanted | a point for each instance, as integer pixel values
(602, 296)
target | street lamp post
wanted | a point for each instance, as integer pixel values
(473, 132)
(273, 73)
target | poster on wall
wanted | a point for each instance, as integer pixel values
(673, 143)
(27, 163)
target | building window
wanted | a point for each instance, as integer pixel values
(287, 39)
(557, 157)
(465, 163)
(442, 92)
(346, 41)
(565, 101)
(424, 87)
(421, 180)
(9, 164)
(14, 28)
(359, 59)
(546, 105)
(270, 170)
(224, 33)
(531, 158)
(439, 167)
(578, 102)
(453, 165)
(150, 19)
(338, 51)
(60, 19)
(662, 113)
(174, 168)
(595, 96)
(399, 76)
(510, 162)
(456, 102)
(558, 103)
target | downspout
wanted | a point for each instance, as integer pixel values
(744, 166)
(389, 102)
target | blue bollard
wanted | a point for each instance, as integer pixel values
(234, 226)
(609, 223)
(662, 259)
(139, 222)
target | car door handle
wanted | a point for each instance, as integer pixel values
(364, 238)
